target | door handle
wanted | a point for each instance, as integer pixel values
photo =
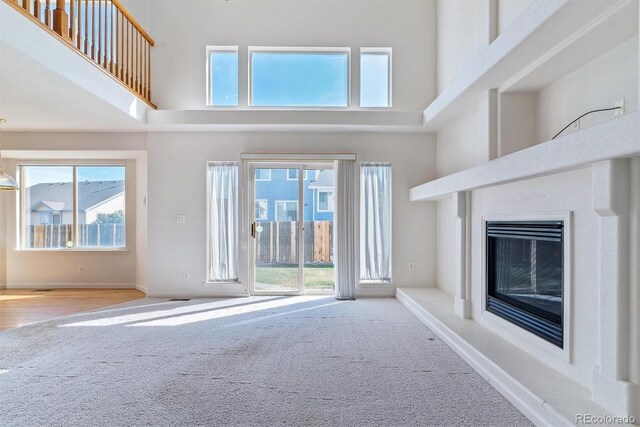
(253, 230)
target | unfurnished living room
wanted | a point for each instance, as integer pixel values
(319, 213)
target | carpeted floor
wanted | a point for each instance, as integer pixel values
(265, 361)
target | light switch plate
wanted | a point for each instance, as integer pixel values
(181, 219)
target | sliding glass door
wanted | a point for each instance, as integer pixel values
(291, 228)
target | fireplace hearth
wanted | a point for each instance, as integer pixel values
(525, 275)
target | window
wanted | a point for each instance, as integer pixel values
(263, 174)
(222, 76)
(222, 219)
(299, 77)
(261, 210)
(375, 222)
(45, 218)
(292, 175)
(52, 218)
(325, 201)
(286, 210)
(375, 77)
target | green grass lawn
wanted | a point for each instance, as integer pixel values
(317, 277)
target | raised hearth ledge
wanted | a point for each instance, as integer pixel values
(541, 393)
(616, 138)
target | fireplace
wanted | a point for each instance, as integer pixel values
(525, 275)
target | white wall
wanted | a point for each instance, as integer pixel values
(183, 29)
(508, 10)
(518, 122)
(596, 85)
(177, 186)
(445, 247)
(61, 268)
(463, 32)
(469, 139)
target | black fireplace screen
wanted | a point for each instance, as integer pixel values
(525, 275)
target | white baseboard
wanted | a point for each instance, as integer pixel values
(71, 286)
(142, 288)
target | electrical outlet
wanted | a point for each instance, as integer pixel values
(186, 276)
(412, 266)
(620, 104)
(181, 219)
(81, 268)
(575, 125)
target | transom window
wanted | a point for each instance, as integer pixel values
(299, 77)
(222, 76)
(375, 77)
(73, 206)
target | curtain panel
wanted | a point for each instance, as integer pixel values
(345, 229)
(223, 221)
(375, 226)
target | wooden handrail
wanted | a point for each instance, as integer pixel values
(102, 31)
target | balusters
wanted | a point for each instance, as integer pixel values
(86, 27)
(36, 9)
(112, 65)
(47, 13)
(103, 31)
(72, 20)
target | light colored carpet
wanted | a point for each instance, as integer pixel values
(243, 362)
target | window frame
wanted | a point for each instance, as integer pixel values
(378, 51)
(293, 50)
(266, 210)
(74, 164)
(318, 201)
(208, 76)
(297, 202)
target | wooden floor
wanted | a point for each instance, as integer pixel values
(24, 306)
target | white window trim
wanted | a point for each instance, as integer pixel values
(266, 210)
(379, 51)
(214, 49)
(284, 49)
(318, 200)
(21, 235)
(297, 202)
(263, 179)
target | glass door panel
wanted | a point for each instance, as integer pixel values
(276, 230)
(319, 272)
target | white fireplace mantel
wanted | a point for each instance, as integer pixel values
(617, 138)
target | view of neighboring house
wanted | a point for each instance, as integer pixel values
(52, 203)
(276, 195)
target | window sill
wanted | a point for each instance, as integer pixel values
(119, 251)
(371, 283)
(229, 282)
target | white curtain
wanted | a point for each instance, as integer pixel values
(375, 229)
(344, 229)
(223, 221)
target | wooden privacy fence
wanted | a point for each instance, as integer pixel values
(89, 235)
(277, 243)
(103, 31)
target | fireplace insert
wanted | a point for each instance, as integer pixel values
(525, 275)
